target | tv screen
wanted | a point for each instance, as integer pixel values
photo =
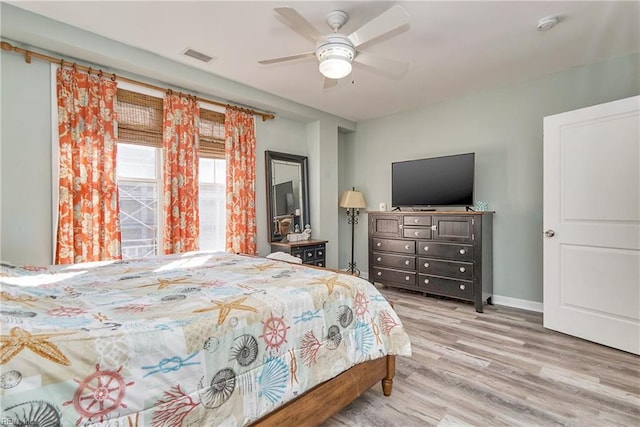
(436, 181)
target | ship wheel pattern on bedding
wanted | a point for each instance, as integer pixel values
(361, 304)
(274, 332)
(99, 394)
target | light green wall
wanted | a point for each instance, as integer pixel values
(504, 128)
(25, 163)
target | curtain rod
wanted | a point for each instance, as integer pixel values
(29, 54)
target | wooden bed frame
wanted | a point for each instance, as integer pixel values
(324, 400)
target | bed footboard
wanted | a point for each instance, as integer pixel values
(324, 400)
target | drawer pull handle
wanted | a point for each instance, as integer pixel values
(426, 265)
(407, 278)
(416, 220)
(462, 269)
(463, 251)
(426, 281)
(407, 262)
(463, 287)
(379, 259)
(298, 256)
(379, 273)
(434, 227)
(378, 244)
(320, 253)
(407, 247)
(426, 248)
(309, 255)
(416, 233)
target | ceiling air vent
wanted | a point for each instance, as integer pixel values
(198, 55)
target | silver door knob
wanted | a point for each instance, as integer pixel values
(549, 233)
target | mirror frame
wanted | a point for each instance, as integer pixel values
(270, 156)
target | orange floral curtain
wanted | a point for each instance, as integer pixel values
(240, 156)
(180, 142)
(88, 211)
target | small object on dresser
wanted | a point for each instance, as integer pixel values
(481, 206)
(298, 237)
(382, 207)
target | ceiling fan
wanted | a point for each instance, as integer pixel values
(335, 52)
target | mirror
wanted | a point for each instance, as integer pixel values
(287, 194)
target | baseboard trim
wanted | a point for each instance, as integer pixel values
(500, 300)
(518, 303)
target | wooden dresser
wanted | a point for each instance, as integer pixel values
(439, 253)
(310, 251)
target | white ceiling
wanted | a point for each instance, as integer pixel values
(454, 47)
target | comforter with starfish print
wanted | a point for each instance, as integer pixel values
(191, 339)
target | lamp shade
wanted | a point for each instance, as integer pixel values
(335, 67)
(352, 199)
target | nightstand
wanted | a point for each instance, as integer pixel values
(310, 251)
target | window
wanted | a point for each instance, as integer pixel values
(211, 202)
(139, 170)
(139, 184)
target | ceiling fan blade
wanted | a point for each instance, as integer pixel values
(298, 23)
(329, 83)
(286, 58)
(386, 66)
(392, 19)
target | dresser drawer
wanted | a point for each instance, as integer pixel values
(397, 261)
(401, 277)
(416, 233)
(309, 254)
(417, 220)
(438, 267)
(457, 252)
(447, 287)
(404, 246)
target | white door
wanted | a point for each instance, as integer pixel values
(592, 223)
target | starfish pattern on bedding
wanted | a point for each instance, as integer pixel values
(265, 266)
(19, 339)
(26, 299)
(226, 307)
(330, 283)
(163, 283)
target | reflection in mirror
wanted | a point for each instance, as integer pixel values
(287, 188)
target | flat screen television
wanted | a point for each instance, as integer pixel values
(433, 182)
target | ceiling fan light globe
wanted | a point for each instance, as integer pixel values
(335, 67)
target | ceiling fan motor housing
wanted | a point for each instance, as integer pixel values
(335, 45)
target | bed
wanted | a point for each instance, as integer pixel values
(194, 339)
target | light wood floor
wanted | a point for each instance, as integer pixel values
(497, 368)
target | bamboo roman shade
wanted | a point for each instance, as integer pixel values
(211, 134)
(139, 118)
(140, 122)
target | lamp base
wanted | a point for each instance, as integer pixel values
(353, 270)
